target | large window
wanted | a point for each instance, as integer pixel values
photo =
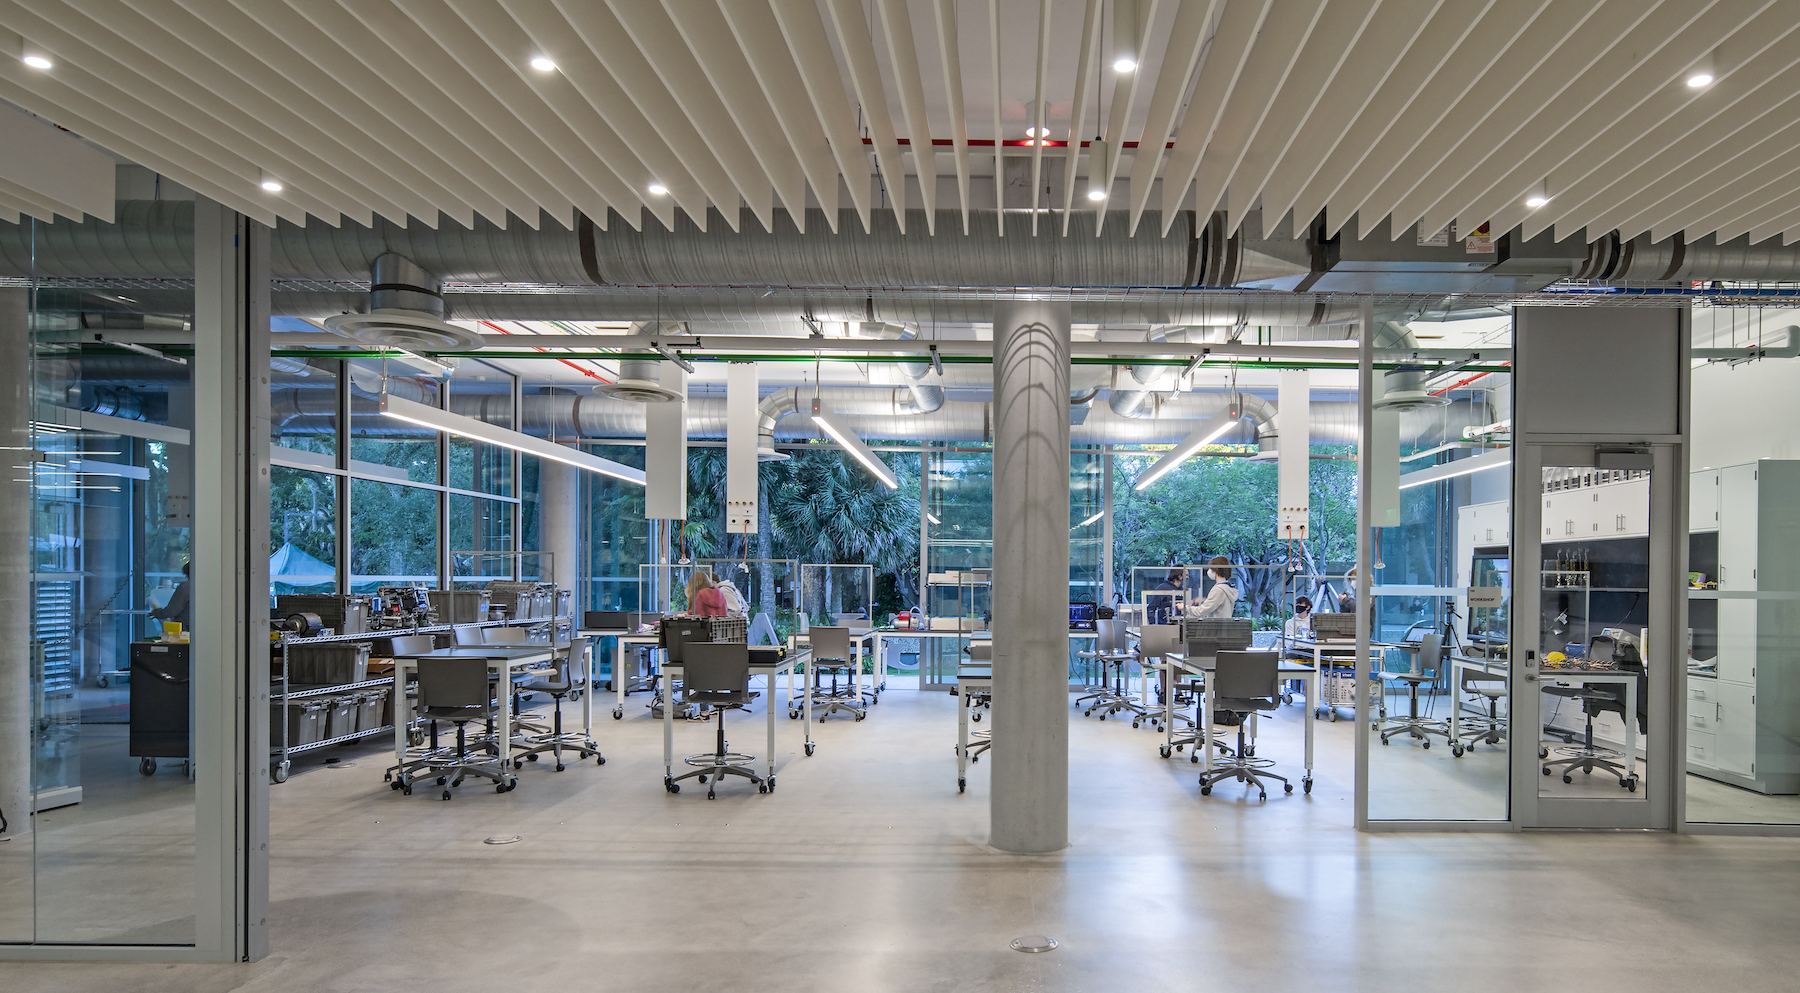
(393, 537)
(381, 446)
(303, 531)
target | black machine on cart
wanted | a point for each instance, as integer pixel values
(161, 702)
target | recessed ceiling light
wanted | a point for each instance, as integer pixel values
(1125, 64)
(1096, 194)
(658, 189)
(38, 62)
(543, 64)
(1700, 79)
(272, 185)
(1037, 132)
(1536, 201)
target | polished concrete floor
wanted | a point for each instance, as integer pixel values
(866, 870)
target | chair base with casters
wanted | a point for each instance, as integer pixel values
(1489, 728)
(1116, 700)
(1412, 724)
(556, 741)
(1194, 689)
(712, 767)
(826, 702)
(1241, 766)
(459, 691)
(1585, 756)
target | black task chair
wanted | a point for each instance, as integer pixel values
(458, 691)
(559, 681)
(1597, 699)
(718, 676)
(1491, 688)
(1244, 683)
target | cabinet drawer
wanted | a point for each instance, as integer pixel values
(1702, 691)
(1702, 716)
(1699, 748)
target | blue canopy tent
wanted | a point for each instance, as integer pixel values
(292, 570)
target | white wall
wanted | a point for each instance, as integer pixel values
(1746, 412)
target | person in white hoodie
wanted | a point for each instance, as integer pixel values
(1222, 598)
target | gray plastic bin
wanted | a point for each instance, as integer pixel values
(306, 722)
(341, 713)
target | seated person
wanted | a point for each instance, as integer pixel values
(1162, 608)
(1299, 627)
(704, 599)
(1222, 598)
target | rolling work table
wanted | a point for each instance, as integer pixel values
(1458, 663)
(971, 680)
(671, 670)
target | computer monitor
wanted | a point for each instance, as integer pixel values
(678, 632)
(1083, 614)
(1207, 637)
(1334, 627)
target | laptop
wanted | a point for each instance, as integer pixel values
(1083, 614)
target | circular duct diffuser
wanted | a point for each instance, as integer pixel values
(771, 455)
(413, 330)
(638, 391)
(1411, 400)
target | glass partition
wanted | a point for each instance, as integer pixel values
(1740, 713)
(832, 595)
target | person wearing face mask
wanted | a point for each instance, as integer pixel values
(1222, 598)
(1299, 627)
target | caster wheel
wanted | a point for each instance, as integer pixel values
(387, 777)
(519, 763)
(280, 772)
(1262, 796)
(1249, 751)
(809, 748)
(1288, 787)
(406, 791)
(1428, 746)
(1103, 717)
(499, 787)
(1546, 770)
(762, 788)
(1566, 779)
(1334, 717)
(859, 717)
(1206, 791)
(1384, 741)
(100, 681)
(674, 787)
(961, 785)
(559, 767)
(771, 784)
(703, 780)
(442, 780)
(446, 794)
(975, 717)
(1164, 750)
(1134, 725)
(710, 795)
(415, 738)
(793, 715)
(1543, 753)
(1194, 758)
(599, 760)
(1179, 747)
(1457, 750)
(1568, 739)
(975, 760)
(1306, 784)
(530, 758)
(618, 713)
(1631, 784)
(393, 786)
(146, 767)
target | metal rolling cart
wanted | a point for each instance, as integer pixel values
(290, 740)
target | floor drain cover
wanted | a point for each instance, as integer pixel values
(335, 764)
(1033, 943)
(506, 840)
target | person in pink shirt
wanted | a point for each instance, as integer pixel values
(704, 599)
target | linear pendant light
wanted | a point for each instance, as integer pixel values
(854, 445)
(1203, 436)
(402, 409)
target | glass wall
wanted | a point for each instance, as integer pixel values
(1741, 709)
(109, 854)
(303, 532)
(616, 535)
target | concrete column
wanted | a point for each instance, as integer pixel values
(559, 527)
(15, 571)
(1029, 807)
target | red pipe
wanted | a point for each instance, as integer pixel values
(1012, 143)
(585, 372)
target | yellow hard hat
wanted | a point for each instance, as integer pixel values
(1556, 657)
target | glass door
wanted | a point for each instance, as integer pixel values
(1593, 550)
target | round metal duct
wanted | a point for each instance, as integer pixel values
(412, 330)
(639, 382)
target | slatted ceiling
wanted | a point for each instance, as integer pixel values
(1272, 56)
(1228, 51)
(1764, 46)
(491, 43)
(1529, 74)
(949, 49)
(1337, 31)
(759, 40)
(858, 50)
(1187, 38)
(1719, 196)
(1405, 110)
(903, 56)
(809, 45)
(1037, 119)
(1086, 66)
(1628, 69)
(1787, 225)
(751, 150)
(99, 35)
(580, 80)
